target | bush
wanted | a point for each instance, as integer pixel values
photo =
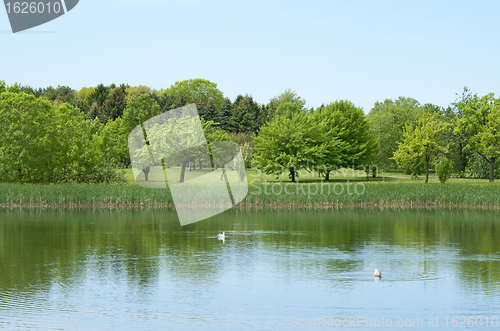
(444, 169)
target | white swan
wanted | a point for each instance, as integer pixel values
(377, 273)
(221, 236)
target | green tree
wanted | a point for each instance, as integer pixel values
(182, 149)
(289, 142)
(61, 94)
(444, 169)
(115, 104)
(99, 95)
(138, 110)
(211, 112)
(480, 125)
(242, 118)
(83, 100)
(24, 138)
(14, 88)
(346, 137)
(189, 90)
(135, 91)
(387, 121)
(44, 143)
(421, 142)
(288, 96)
(114, 143)
(226, 111)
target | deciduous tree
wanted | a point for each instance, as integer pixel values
(480, 125)
(289, 142)
(421, 142)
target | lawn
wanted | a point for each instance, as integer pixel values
(346, 189)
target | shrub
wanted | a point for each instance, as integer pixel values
(444, 169)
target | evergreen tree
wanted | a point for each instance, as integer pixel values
(201, 107)
(95, 112)
(99, 95)
(115, 104)
(225, 113)
(241, 119)
(211, 111)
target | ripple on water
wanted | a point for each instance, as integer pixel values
(387, 276)
(21, 302)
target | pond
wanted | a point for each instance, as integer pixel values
(276, 270)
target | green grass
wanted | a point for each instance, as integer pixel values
(344, 190)
(98, 195)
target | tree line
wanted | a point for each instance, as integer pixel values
(60, 134)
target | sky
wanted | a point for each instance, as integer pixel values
(362, 51)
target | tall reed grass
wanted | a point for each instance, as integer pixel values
(396, 194)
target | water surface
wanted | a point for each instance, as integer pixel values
(276, 270)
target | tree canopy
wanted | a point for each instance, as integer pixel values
(290, 141)
(421, 142)
(480, 125)
(45, 143)
(190, 90)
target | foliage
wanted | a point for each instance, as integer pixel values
(346, 136)
(136, 91)
(114, 143)
(99, 95)
(267, 112)
(245, 141)
(243, 116)
(480, 126)
(478, 167)
(138, 110)
(14, 88)
(444, 169)
(416, 168)
(387, 122)
(225, 113)
(189, 90)
(290, 141)
(115, 104)
(42, 143)
(25, 140)
(421, 142)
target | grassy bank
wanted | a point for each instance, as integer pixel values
(397, 193)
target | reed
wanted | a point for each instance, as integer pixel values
(396, 194)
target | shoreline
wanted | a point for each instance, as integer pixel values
(337, 206)
(389, 195)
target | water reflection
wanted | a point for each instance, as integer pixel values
(135, 269)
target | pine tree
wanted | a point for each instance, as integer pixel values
(211, 111)
(225, 113)
(201, 107)
(115, 104)
(241, 119)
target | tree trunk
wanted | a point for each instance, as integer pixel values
(200, 165)
(427, 169)
(292, 172)
(183, 171)
(492, 169)
(327, 176)
(222, 175)
(146, 173)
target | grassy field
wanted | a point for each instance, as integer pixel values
(392, 190)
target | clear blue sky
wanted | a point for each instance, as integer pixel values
(363, 51)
